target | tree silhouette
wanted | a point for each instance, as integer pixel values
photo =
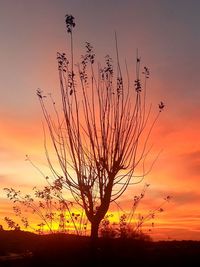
(101, 136)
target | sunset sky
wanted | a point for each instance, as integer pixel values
(166, 32)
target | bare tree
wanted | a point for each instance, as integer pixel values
(100, 137)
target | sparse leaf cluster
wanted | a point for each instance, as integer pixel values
(55, 215)
(132, 225)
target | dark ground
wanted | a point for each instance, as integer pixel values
(24, 249)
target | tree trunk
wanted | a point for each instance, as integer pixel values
(94, 241)
(94, 232)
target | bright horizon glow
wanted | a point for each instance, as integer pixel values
(168, 39)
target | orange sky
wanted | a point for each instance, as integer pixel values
(167, 35)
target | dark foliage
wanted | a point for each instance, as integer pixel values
(70, 250)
